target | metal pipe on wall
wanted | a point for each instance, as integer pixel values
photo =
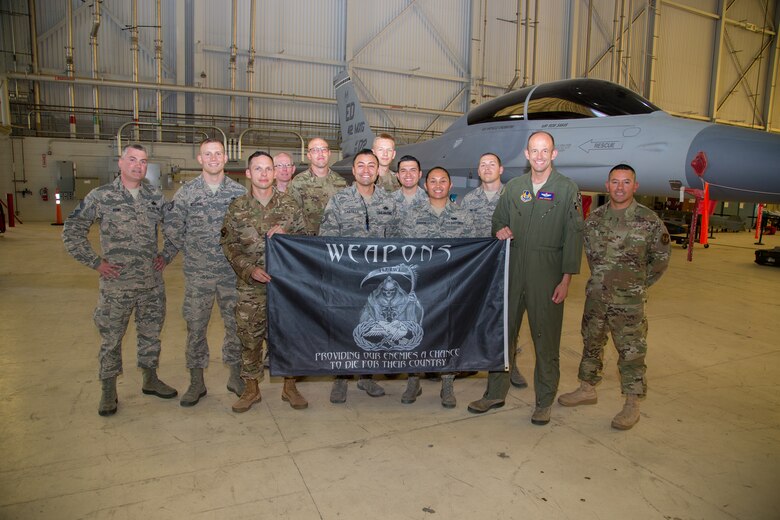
(158, 43)
(224, 92)
(720, 27)
(119, 144)
(93, 43)
(526, 23)
(34, 46)
(613, 46)
(232, 63)
(483, 52)
(533, 49)
(621, 24)
(134, 50)
(654, 22)
(771, 80)
(250, 64)
(627, 46)
(250, 129)
(69, 70)
(518, 45)
(587, 38)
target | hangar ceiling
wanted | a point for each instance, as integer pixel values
(84, 69)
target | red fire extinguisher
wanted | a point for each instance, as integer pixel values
(44, 193)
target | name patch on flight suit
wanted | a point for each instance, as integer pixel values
(526, 196)
(546, 195)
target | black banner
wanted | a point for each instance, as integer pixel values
(378, 306)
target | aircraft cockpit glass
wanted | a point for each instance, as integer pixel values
(558, 108)
(509, 107)
(571, 99)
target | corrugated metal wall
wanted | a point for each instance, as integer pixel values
(438, 55)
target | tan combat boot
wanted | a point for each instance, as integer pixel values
(629, 415)
(585, 394)
(291, 394)
(250, 396)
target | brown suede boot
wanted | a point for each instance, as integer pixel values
(585, 394)
(291, 394)
(629, 415)
(250, 396)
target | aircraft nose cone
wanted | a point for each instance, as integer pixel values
(739, 164)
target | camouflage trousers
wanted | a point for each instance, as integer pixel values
(252, 329)
(628, 326)
(111, 318)
(200, 291)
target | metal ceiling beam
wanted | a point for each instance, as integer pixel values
(771, 80)
(716, 59)
(52, 78)
(744, 72)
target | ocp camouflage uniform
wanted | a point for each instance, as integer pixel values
(421, 221)
(627, 252)
(388, 181)
(128, 237)
(349, 215)
(403, 205)
(481, 209)
(243, 243)
(312, 194)
(192, 225)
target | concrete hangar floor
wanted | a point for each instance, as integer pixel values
(707, 445)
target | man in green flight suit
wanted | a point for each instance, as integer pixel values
(541, 212)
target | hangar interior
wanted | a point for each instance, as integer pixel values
(78, 79)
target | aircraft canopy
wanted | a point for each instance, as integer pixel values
(567, 99)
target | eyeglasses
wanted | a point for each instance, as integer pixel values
(319, 150)
(283, 166)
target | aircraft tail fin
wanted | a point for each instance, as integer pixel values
(355, 132)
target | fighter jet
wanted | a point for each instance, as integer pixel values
(596, 125)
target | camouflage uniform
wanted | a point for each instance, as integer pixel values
(627, 252)
(481, 209)
(312, 193)
(128, 237)
(421, 221)
(192, 225)
(403, 205)
(388, 181)
(243, 243)
(349, 215)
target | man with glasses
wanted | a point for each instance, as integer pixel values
(284, 168)
(363, 210)
(313, 188)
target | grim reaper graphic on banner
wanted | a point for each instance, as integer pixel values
(346, 305)
(392, 317)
